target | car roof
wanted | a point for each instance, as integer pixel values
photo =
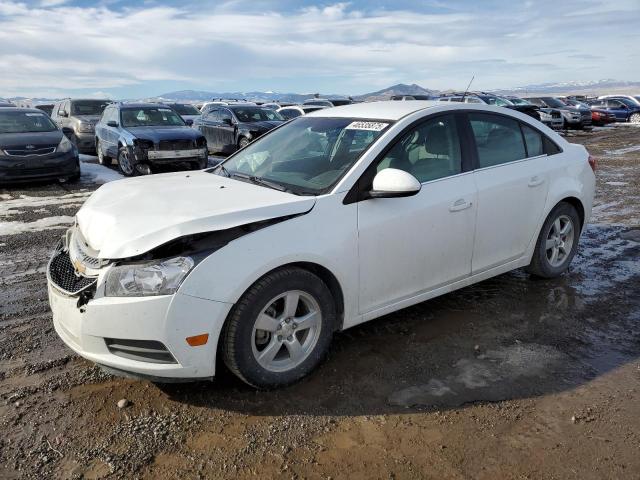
(386, 110)
(20, 109)
(142, 105)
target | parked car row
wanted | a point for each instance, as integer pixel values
(141, 137)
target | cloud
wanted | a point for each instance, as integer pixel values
(57, 47)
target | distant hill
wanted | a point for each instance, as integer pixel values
(201, 96)
(597, 87)
(399, 89)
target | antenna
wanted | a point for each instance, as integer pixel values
(465, 92)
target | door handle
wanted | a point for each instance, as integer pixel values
(460, 204)
(536, 181)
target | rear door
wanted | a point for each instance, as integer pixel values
(227, 131)
(512, 180)
(209, 123)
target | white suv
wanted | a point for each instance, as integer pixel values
(330, 220)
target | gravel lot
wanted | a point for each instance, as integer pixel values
(511, 378)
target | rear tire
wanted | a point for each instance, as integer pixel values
(102, 158)
(280, 330)
(557, 243)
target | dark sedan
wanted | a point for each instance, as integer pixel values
(231, 127)
(623, 109)
(32, 147)
(142, 136)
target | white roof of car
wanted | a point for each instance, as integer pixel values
(387, 110)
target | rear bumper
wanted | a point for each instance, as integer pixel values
(32, 168)
(168, 319)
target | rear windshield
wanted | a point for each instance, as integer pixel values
(24, 122)
(150, 117)
(88, 107)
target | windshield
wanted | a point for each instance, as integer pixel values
(519, 101)
(553, 102)
(306, 156)
(150, 116)
(185, 109)
(255, 114)
(88, 107)
(627, 102)
(25, 122)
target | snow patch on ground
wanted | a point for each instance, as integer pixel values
(49, 223)
(13, 206)
(617, 184)
(623, 151)
(93, 172)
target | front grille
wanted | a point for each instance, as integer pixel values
(176, 144)
(150, 351)
(23, 152)
(556, 115)
(81, 252)
(19, 172)
(63, 275)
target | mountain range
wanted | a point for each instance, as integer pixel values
(599, 87)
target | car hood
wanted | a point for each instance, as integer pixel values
(156, 134)
(129, 217)
(37, 139)
(262, 126)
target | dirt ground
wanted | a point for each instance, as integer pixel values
(513, 378)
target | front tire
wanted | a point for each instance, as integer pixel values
(243, 142)
(280, 329)
(127, 168)
(635, 118)
(557, 243)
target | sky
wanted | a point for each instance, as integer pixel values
(143, 48)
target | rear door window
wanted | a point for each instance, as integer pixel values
(498, 139)
(533, 139)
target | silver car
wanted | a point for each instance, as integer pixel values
(80, 117)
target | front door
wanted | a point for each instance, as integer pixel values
(512, 181)
(408, 246)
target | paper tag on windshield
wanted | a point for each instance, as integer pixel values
(34, 114)
(373, 126)
(164, 109)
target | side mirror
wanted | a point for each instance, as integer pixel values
(189, 122)
(62, 113)
(391, 183)
(68, 132)
(227, 121)
(624, 107)
(112, 123)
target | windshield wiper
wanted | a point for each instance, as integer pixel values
(223, 170)
(258, 181)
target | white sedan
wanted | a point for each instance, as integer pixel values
(330, 220)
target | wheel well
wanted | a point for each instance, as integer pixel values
(577, 204)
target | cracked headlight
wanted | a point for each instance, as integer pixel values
(161, 277)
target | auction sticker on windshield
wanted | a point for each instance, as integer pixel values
(373, 126)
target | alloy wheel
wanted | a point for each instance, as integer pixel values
(635, 118)
(286, 331)
(125, 163)
(560, 241)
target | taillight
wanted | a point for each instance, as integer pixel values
(593, 163)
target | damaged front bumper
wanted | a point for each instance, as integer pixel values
(143, 336)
